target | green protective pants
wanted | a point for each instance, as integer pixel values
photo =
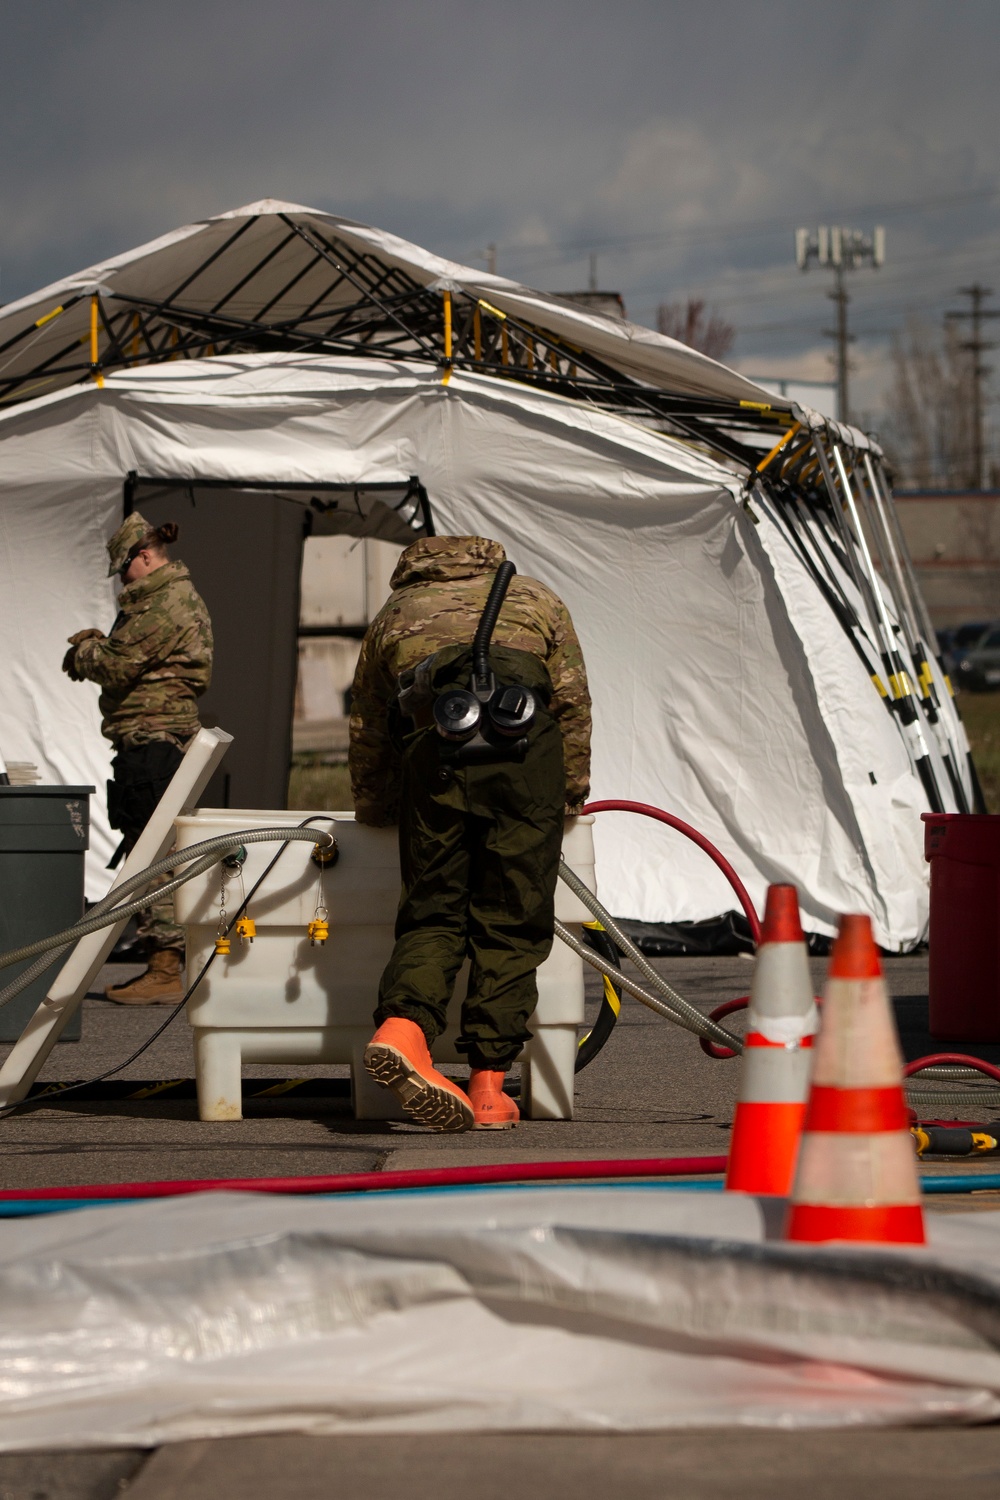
(479, 855)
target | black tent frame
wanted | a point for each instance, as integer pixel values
(392, 317)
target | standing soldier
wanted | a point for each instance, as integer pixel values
(152, 667)
(480, 809)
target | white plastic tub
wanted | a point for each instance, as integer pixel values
(282, 1000)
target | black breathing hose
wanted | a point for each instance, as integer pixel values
(488, 619)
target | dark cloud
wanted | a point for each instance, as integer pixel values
(682, 141)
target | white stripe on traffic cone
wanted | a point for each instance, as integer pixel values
(774, 1082)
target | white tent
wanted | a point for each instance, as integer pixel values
(724, 688)
(275, 367)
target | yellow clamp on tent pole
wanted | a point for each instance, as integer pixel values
(925, 679)
(95, 363)
(756, 405)
(947, 683)
(880, 685)
(796, 427)
(901, 685)
(41, 322)
(494, 312)
(446, 299)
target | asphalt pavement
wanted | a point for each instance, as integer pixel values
(651, 1092)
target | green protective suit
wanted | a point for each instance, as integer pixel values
(479, 852)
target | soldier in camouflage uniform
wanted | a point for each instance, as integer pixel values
(152, 667)
(479, 843)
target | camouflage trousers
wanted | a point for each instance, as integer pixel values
(141, 775)
(479, 854)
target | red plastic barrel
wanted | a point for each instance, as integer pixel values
(963, 850)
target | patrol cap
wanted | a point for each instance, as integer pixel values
(129, 534)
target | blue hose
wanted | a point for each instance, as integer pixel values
(18, 1208)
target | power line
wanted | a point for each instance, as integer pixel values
(706, 233)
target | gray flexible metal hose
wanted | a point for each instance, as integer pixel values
(702, 1027)
(967, 1100)
(117, 914)
(108, 912)
(676, 1009)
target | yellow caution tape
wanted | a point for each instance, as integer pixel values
(880, 685)
(609, 989)
(901, 685)
(925, 679)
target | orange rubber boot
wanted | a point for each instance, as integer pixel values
(494, 1109)
(398, 1058)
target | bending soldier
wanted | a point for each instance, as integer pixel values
(151, 668)
(480, 810)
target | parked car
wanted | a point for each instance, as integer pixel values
(957, 640)
(978, 667)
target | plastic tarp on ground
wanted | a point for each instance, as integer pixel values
(717, 694)
(584, 1309)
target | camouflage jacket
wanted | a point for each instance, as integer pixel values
(439, 589)
(156, 661)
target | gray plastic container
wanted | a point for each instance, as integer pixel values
(44, 835)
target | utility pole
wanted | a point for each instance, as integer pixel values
(844, 250)
(976, 345)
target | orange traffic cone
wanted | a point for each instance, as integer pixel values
(774, 1083)
(857, 1172)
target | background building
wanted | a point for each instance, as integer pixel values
(954, 540)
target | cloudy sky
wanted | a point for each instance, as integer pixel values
(680, 140)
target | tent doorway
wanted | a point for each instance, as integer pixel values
(243, 543)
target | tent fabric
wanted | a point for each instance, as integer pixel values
(158, 269)
(604, 1309)
(709, 649)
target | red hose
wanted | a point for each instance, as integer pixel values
(696, 838)
(951, 1060)
(715, 1049)
(365, 1182)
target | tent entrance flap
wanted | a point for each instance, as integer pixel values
(243, 542)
